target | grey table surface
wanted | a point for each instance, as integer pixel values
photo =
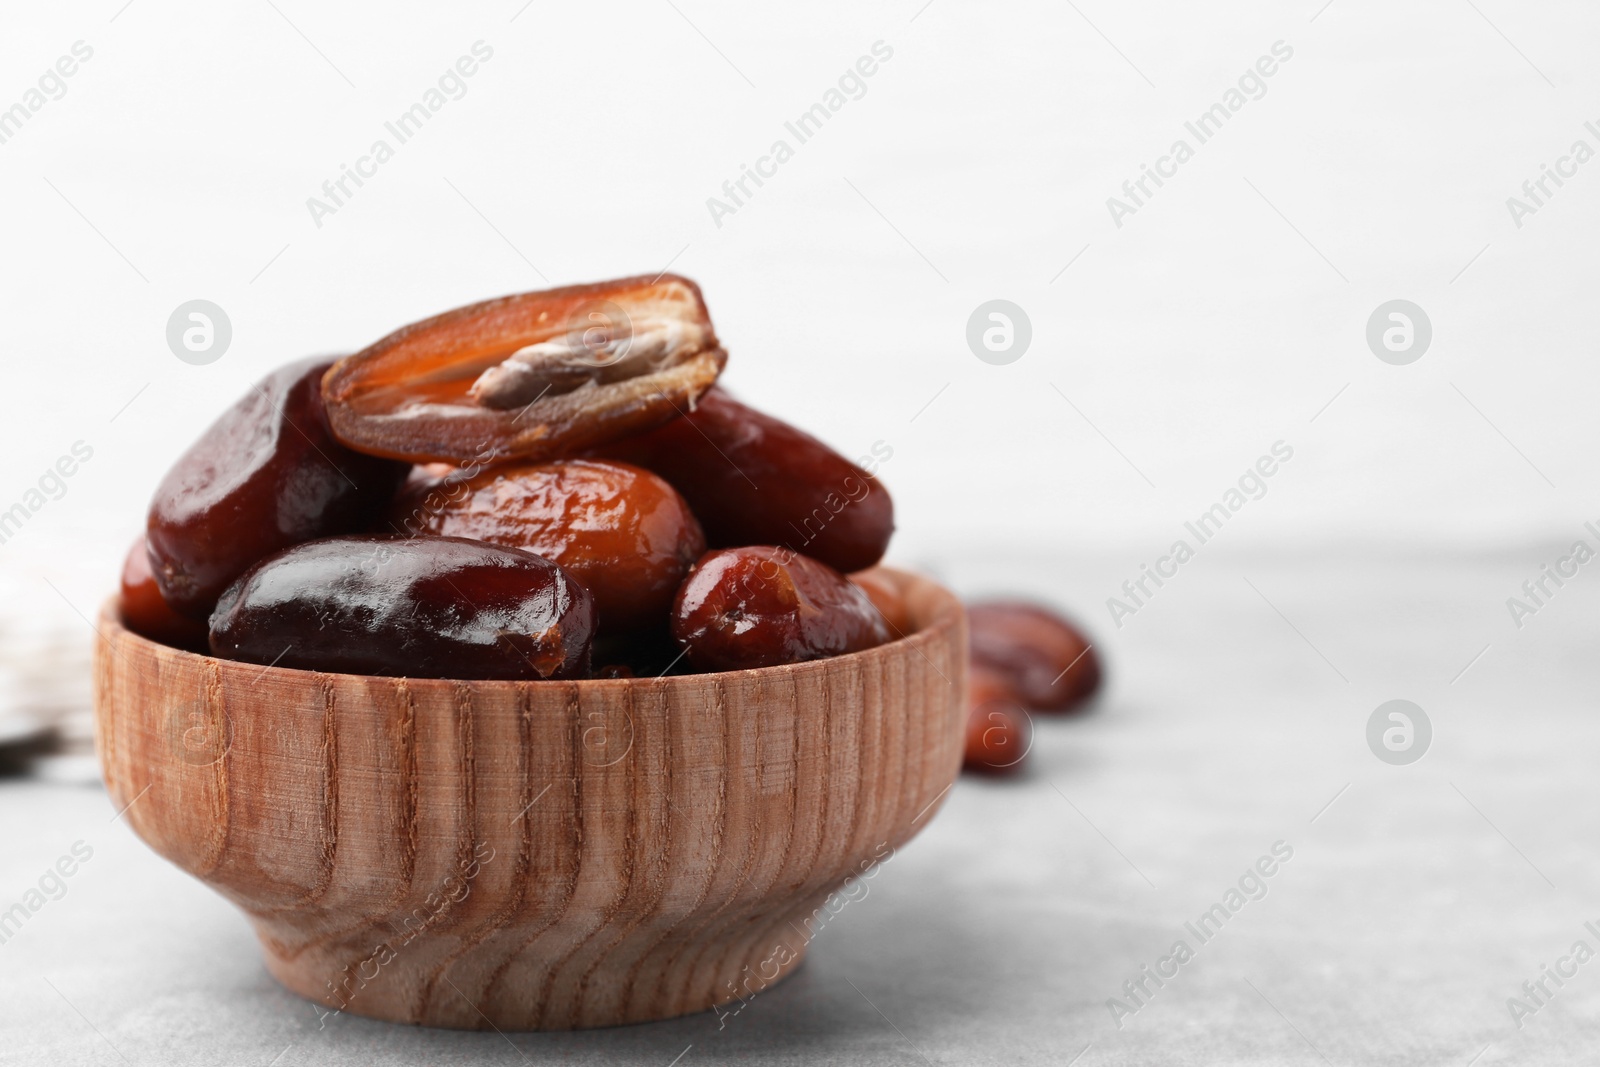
(1417, 900)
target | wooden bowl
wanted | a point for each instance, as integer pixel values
(533, 855)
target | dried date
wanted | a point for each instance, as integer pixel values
(266, 475)
(755, 480)
(999, 735)
(760, 606)
(885, 594)
(425, 607)
(146, 612)
(621, 531)
(533, 376)
(1047, 662)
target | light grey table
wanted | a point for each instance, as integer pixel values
(1417, 901)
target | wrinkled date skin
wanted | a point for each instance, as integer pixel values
(1047, 662)
(146, 612)
(426, 607)
(266, 475)
(761, 606)
(621, 531)
(533, 376)
(754, 480)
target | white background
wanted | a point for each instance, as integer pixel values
(977, 165)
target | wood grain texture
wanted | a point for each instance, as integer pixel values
(533, 855)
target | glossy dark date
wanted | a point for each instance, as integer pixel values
(426, 607)
(760, 606)
(267, 474)
(755, 480)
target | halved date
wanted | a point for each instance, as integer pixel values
(266, 475)
(761, 606)
(426, 607)
(623, 532)
(755, 480)
(533, 376)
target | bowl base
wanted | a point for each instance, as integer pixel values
(538, 986)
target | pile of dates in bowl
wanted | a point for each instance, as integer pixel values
(544, 486)
(549, 485)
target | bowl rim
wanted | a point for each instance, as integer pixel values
(945, 611)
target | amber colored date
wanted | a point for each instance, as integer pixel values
(1047, 662)
(621, 531)
(999, 735)
(760, 606)
(999, 732)
(425, 607)
(534, 376)
(146, 612)
(755, 480)
(266, 475)
(885, 594)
